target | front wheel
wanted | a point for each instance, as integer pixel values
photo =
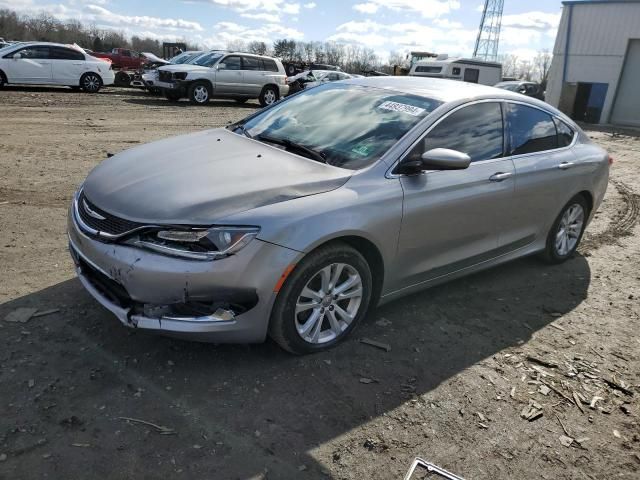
(199, 93)
(322, 301)
(566, 232)
(269, 95)
(91, 83)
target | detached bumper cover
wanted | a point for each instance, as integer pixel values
(125, 279)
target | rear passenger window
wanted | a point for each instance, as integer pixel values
(475, 130)
(270, 65)
(565, 134)
(251, 63)
(530, 130)
(59, 53)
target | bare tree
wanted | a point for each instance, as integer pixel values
(542, 64)
(509, 65)
(237, 45)
(259, 48)
(526, 70)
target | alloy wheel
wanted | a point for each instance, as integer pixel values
(569, 229)
(91, 83)
(328, 304)
(269, 96)
(200, 94)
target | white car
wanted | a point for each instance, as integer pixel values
(150, 78)
(313, 78)
(43, 63)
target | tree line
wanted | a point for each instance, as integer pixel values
(351, 58)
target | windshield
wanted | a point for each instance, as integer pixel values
(208, 59)
(184, 57)
(508, 86)
(350, 126)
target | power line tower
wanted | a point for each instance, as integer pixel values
(489, 31)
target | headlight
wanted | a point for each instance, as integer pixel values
(198, 244)
(180, 75)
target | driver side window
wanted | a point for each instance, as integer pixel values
(232, 63)
(476, 130)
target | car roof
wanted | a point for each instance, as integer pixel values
(447, 91)
(44, 44)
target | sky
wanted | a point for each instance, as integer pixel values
(441, 26)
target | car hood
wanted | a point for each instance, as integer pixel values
(185, 67)
(198, 178)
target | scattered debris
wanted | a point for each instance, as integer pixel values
(618, 385)
(162, 430)
(31, 383)
(302, 468)
(566, 441)
(616, 434)
(557, 327)
(367, 381)
(21, 315)
(383, 322)
(81, 445)
(45, 312)
(544, 390)
(544, 363)
(578, 402)
(3, 457)
(374, 343)
(532, 412)
(594, 401)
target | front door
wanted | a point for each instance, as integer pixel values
(229, 76)
(34, 66)
(452, 218)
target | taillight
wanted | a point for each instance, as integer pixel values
(610, 160)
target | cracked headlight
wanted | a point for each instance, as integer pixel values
(198, 244)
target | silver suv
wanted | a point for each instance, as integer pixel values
(218, 74)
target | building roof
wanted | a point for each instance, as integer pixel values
(595, 2)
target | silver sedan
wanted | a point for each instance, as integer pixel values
(299, 219)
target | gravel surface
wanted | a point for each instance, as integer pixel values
(81, 396)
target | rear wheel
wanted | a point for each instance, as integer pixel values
(172, 96)
(91, 82)
(199, 93)
(3, 80)
(322, 300)
(566, 233)
(269, 95)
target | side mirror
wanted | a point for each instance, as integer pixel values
(17, 56)
(221, 66)
(445, 159)
(436, 159)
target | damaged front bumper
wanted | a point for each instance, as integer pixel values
(222, 301)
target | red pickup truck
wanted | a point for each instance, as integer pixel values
(123, 58)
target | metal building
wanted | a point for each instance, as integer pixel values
(595, 72)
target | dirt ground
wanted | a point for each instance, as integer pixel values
(468, 359)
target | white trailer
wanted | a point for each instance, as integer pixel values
(465, 69)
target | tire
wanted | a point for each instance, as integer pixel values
(172, 95)
(122, 79)
(241, 100)
(562, 246)
(336, 318)
(269, 95)
(3, 79)
(91, 82)
(199, 93)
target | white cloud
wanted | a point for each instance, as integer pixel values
(291, 8)
(100, 15)
(426, 8)
(230, 32)
(310, 5)
(532, 20)
(267, 17)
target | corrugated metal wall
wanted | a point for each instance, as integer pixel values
(600, 33)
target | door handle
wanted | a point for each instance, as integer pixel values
(500, 176)
(566, 165)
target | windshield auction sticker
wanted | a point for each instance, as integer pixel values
(402, 107)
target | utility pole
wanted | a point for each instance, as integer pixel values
(489, 31)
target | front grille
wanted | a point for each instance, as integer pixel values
(165, 76)
(111, 224)
(107, 286)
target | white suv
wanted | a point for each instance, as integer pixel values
(239, 76)
(43, 63)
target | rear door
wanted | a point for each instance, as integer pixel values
(253, 76)
(67, 65)
(34, 66)
(229, 76)
(452, 219)
(547, 173)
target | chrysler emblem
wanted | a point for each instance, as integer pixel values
(92, 213)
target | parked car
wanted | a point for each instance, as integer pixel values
(298, 219)
(313, 78)
(240, 76)
(150, 76)
(530, 89)
(42, 63)
(294, 68)
(123, 58)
